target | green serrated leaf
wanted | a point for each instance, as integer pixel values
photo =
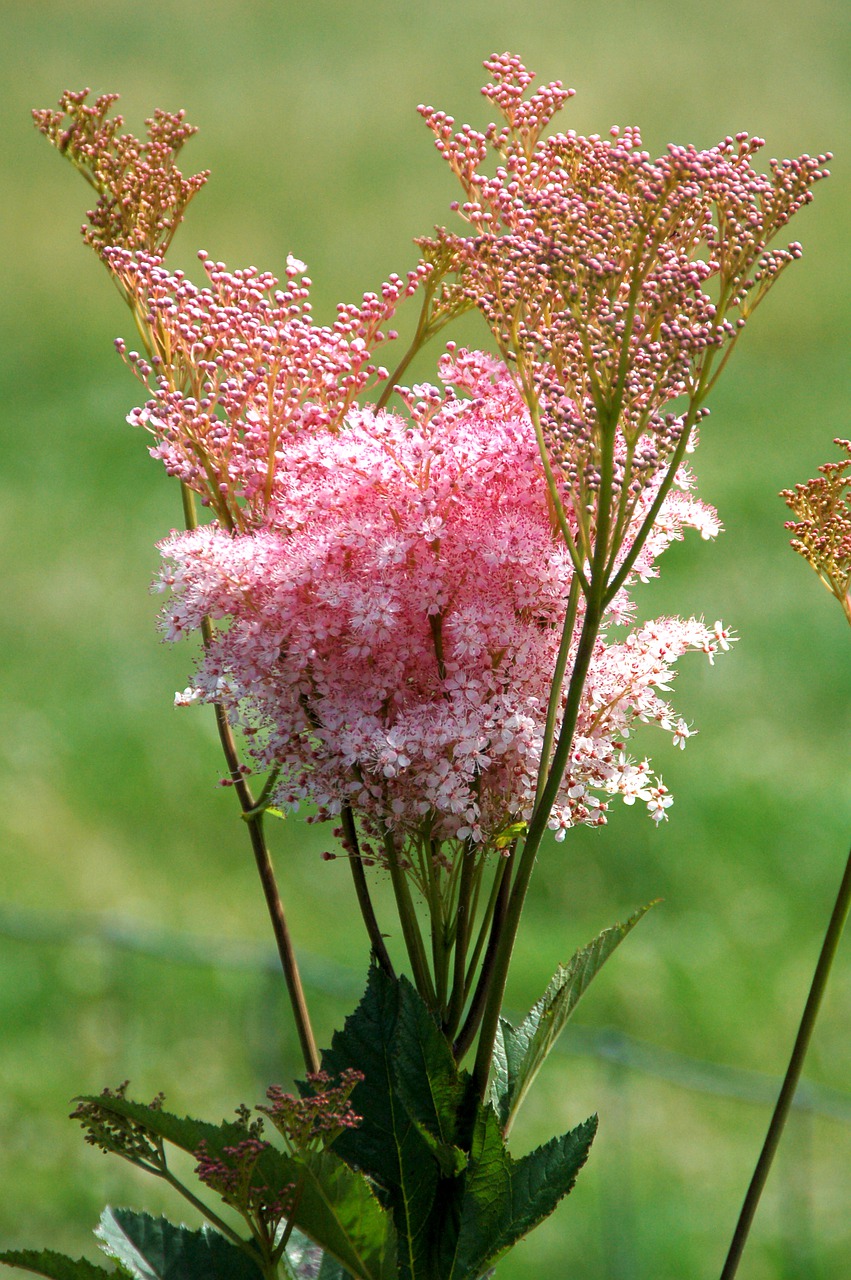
(501, 1077)
(426, 1076)
(337, 1209)
(155, 1249)
(410, 1100)
(521, 1051)
(505, 1198)
(45, 1262)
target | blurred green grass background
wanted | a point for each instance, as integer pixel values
(108, 808)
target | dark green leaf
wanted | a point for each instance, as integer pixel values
(336, 1208)
(57, 1266)
(520, 1052)
(154, 1249)
(426, 1076)
(410, 1101)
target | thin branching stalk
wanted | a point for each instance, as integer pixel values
(462, 933)
(408, 920)
(537, 827)
(427, 327)
(166, 1174)
(253, 815)
(476, 1012)
(558, 681)
(376, 938)
(485, 925)
(437, 914)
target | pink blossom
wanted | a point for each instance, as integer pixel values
(391, 629)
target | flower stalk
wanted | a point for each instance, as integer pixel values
(780, 1115)
(822, 535)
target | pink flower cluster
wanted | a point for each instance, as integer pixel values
(390, 630)
(313, 1121)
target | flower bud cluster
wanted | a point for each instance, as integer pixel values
(822, 532)
(142, 195)
(239, 1174)
(118, 1134)
(234, 1176)
(313, 1121)
(241, 369)
(611, 280)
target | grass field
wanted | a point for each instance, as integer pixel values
(132, 936)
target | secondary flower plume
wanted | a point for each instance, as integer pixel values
(142, 195)
(615, 285)
(822, 532)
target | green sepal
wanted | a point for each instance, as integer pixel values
(155, 1249)
(450, 1159)
(520, 1052)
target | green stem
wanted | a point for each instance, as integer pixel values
(504, 860)
(219, 1223)
(479, 1002)
(379, 950)
(537, 827)
(546, 797)
(462, 934)
(793, 1074)
(528, 392)
(617, 581)
(558, 680)
(265, 795)
(424, 332)
(280, 928)
(437, 916)
(408, 920)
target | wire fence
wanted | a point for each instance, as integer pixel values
(606, 1045)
